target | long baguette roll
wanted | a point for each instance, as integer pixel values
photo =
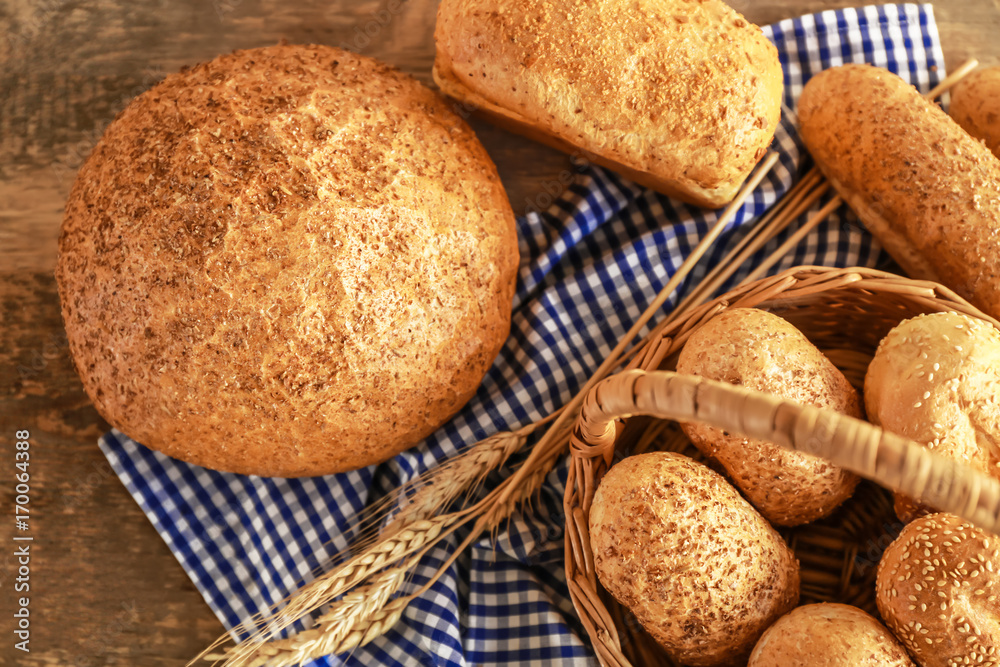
(927, 190)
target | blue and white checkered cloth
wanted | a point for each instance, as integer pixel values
(590, 264)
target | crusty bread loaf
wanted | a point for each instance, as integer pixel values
(828, 635)
(761, 351)
(935, 379)
(702, 571)
(975, 106)
(937, 589)
(683, 97)
(287, 261)
(926, 190)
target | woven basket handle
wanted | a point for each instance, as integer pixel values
(890, 460)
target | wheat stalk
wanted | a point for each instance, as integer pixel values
(359, 614)
(369, 590)
(524, 492)
(459, 476)
(409, 531)
(363, 614)
(436, 489)
(367, 612)
(322, 590)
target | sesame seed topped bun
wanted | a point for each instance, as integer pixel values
(938, 591)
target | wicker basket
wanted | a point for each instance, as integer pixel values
(845, 313)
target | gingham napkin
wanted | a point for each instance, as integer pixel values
(589, 266)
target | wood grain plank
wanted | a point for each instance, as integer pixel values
(105, 590)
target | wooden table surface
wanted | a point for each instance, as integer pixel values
(105, 589)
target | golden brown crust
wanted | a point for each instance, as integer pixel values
(935, 379)
(760, 351)
(703, 572)
(975, 106)
(685, 96)
(828, 635)
(927, 190)
(937, 590)
(287, 261)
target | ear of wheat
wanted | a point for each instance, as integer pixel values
(365, 612)
(369, 609)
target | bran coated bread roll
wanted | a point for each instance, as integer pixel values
(828, 635)
(975, 106)
(763, 352)
(935, 379)
(682, 97)
(925, 189)
(702, 571)
(287, 261)
(938, 591)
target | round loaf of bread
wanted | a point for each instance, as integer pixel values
(287, 261)
(828, 635)
(975, 105)
(935, 379)
(937, 587)
(761, 351)
(702, 571)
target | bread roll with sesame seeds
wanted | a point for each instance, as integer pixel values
(975, 105)
(937, 589)
(828, 635)
(935, 379)
(702, 571)
(763, 352)
(923, 187)
(287, 261)
(682, 97)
